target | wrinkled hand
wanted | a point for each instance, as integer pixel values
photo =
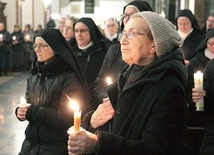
(21, 111)
(82, 142)
(196, 95)
(103, 114)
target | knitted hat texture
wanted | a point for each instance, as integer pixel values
(165, 36)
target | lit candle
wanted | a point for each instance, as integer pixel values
(22, 100)
(1, 36)
(14, 37)
(198, 82)
(77, 115)
(27, 37)
(108, 80)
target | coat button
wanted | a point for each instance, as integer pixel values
(118, 110)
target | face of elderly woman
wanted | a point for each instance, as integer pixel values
(42, 50)
(136, 47)
(184, 24)
(82, 34)
(68, 32)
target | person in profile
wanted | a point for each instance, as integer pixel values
(54, 78)
(147, 105)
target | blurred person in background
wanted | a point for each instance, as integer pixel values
(61, 24)
(29, 53)
(51, 23)
(68, 29)
(90, 47)
(111, 31)
(209, 23)
(5, 50)
(190, 31)
(17, 40)
(38, 28)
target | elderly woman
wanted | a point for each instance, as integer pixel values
(68, 30)
(55, 76)
(191, 33)
(113, 62)
(111, 31)
(149, 108)
(90, 47)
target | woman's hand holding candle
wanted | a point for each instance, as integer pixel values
(196, 94)
(22, 109)
(82, 142)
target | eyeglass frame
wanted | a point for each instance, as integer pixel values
(40, 47)
(81, 31)
(68, 27)
(126, 15)
(210, 44)
(129, 36)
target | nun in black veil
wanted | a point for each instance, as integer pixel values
(55, 77)
(90, 46)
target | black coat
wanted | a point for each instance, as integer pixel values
(91, 60)
(48, 87)
(191, 43)
(49, 115)
(150, 109)
(208, 101)
(111, 67)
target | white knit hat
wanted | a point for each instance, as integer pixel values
(165, 36)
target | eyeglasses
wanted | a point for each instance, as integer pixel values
(126, 15)
(210, 44)
(81, 31)
(39, 47)
(128, 35)
(68, 27)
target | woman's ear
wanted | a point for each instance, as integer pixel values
(153, 49)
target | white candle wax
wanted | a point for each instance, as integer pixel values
(22, 100)
(198, 83)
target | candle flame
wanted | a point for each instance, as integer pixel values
(73, 104)
(108, 80)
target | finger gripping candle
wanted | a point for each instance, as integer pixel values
(198, 82)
